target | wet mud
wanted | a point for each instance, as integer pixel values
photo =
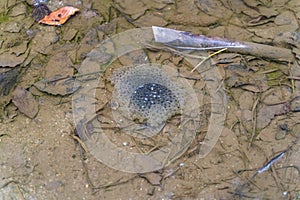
(257, 155)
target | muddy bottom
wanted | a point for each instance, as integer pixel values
(235, 136)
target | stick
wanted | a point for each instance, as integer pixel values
(188, 41)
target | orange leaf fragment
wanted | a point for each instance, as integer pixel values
(60, 16)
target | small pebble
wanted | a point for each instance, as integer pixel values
(125, 143)
(283, 130)
(283, 127)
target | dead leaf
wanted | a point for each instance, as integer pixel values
(59, 17)
(25, 102)
(8, 80)
(10, 59)
(152, 178)
(267, 113)
(40, 11)
(60, 86)
(58, 79)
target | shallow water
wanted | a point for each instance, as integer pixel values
(39, 159)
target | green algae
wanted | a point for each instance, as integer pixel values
(3, 18)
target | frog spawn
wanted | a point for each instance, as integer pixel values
(146, 94)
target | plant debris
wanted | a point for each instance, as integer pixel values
(25, 102)
(59, 17)
(43, 15)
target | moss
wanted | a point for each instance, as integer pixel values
(274, 75)
(275, 78)
(3, 18)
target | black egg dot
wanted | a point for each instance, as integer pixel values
(152, 94)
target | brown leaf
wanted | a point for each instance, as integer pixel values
(58, 79)
(9, 59)
(152, 178)
(25, 102)
(267, 113)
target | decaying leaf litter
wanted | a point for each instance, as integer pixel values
(262, 112)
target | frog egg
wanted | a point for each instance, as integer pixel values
(147, 93)
(153, 102)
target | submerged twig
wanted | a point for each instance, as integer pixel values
(77, 139)
(114, 183)
(254, 121)
(266, 167)
(173, 50)
(187, 41)
(206, 58)
(296, 78)
(271, 162)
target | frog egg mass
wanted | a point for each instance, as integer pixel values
(151, 94)
(148, 93)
